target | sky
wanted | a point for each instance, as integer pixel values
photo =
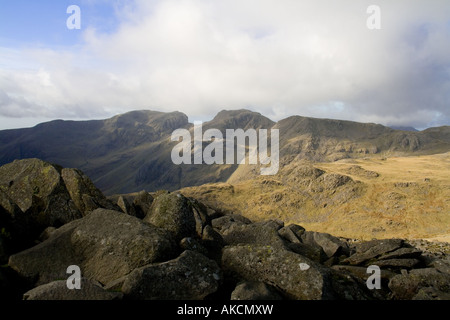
(318, 58)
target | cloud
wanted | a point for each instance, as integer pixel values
(280, 58)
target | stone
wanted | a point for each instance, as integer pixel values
(126, 206)
(261, 233)
(193, 245)
(441, 265)
(331, 245)
(402, 253)
(173, 212)
(83, 192)
(142, 203)
(200, 215)
(292, 233)
(406, 286)
(397, 263)
(287, 271)
(248, 290)
(361, 272)
(430, 293)
(213, 242)
(314, 253)
(224, 222)
(37, 188)
(47, 233)
(57, 290)
(105, 244)
(372, 249)
(191, 276)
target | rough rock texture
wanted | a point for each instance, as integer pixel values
(166, 246)
(369, 250)
(332, 246)
(173, 212)
(256, 233)
(191, 276)
(105, 244)
(295, 276)
(249, 290)
(57, 290)
(83, 192)
(408, 286)
(37, 188)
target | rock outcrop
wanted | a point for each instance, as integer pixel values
(167, 246)
(105, 244)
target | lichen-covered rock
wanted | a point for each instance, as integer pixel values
(191, 276)
(105, 244)
(37, 188)
(368, 250)
(332, 246)
(249, 290)
(261, 233)
(57, 290)
(407, 286)
(173, 212)
(221, 224)
(296, 277)
(83, 192)
(142, 203)
(292, 233)
(127, 207)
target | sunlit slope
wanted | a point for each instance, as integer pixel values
(357, 198)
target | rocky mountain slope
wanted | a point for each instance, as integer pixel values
(168, 246)
(131, 152)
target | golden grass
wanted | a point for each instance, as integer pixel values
(410, 198)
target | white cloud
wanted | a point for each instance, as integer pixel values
(280, 58)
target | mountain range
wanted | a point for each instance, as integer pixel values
(132, 151)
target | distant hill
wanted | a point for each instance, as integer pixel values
(131, 152)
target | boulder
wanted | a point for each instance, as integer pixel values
(200, 215)
(397, 263)
(430, 293)
(249, 290)
(193, 244)
(402, 253)
(126, 206)
(105, 244)
(57, 290)
(173, 212)
(292, 233)
(260, 233)
(84, 193)
(191, 276)
(407, 285)
(366, 251)
(37, 188)
(224, 222)
(142, 203)
(314, 253)
(295, 276)
(332, 246)
(213, 242)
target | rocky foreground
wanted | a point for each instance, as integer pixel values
(167, 246)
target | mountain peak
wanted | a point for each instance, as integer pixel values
(240, 119)
(160, 121)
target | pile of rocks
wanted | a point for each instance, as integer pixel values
(167, 246)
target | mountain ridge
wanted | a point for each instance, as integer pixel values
(131, 151)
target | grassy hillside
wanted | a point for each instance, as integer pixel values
(356, 198)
